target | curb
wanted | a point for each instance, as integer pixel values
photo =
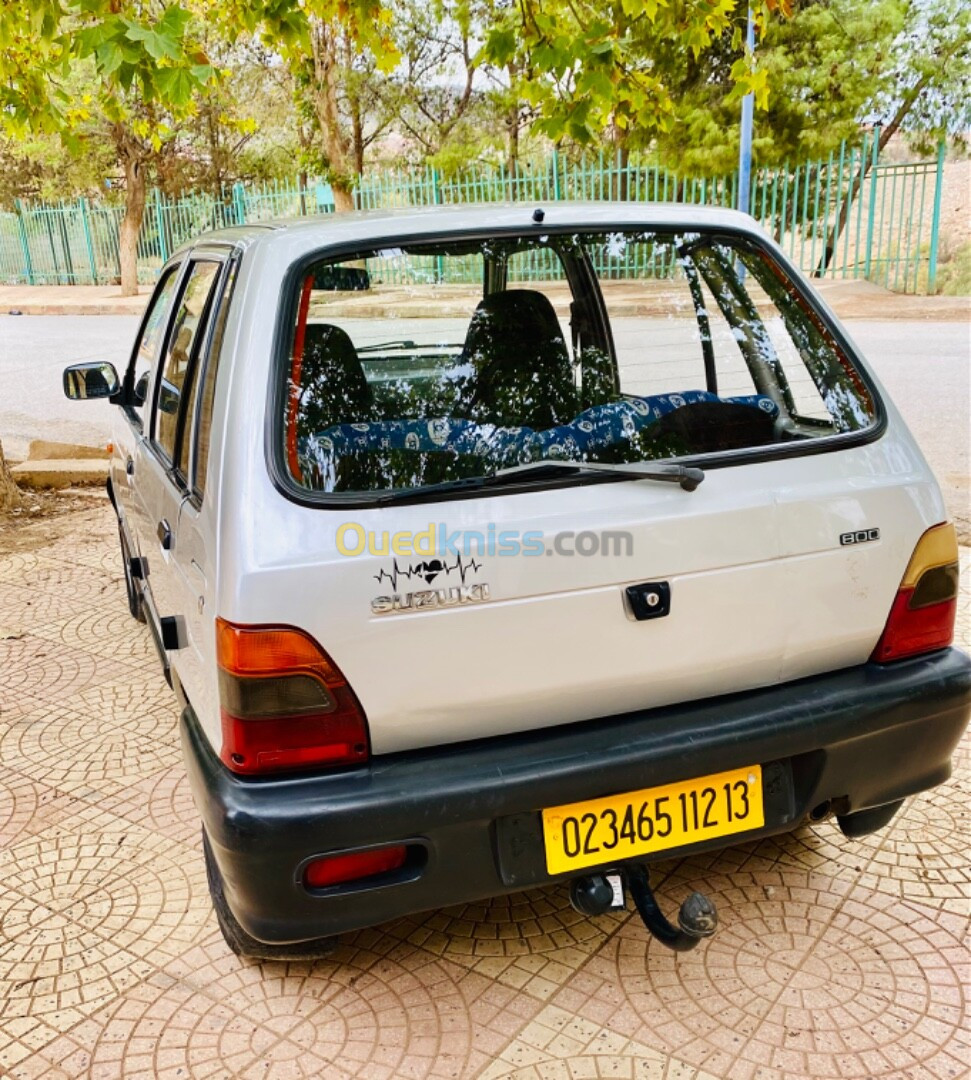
(60, 474)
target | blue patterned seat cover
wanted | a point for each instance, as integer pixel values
(600, 426)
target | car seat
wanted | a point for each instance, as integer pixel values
(516, 368)
(333, 388)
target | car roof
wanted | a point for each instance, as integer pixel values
(387, 225)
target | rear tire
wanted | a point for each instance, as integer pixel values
(241, 943)
(135, 605)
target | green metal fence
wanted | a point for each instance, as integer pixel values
(849, 215)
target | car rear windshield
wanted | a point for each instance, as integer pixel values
(445, 360)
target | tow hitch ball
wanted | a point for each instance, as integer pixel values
(595, 894)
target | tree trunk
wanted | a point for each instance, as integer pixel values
(512, 130)
(343, 196)
(131, 223)
(357, 136)
(856, 184)
(10, 497)
(338, 147)
(512, 150)
(623, 163)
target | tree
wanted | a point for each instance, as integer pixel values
(143, 65)
(333, 49)
(590, 66)
(435, 80)
(39, 167)
(925, 88)
(821, 67)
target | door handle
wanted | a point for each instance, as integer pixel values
(130, 467)
(164, 534)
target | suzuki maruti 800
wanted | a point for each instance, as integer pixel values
(491, 547)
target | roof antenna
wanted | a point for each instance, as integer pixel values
(538, 215)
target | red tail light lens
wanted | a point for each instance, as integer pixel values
(284, 703)
(337, 869)
(922, 617)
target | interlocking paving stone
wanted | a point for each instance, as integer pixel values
(531, 941)
(835, 959)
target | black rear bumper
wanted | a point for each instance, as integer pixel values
(857, 738)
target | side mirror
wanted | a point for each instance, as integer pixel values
(94, 380)
(140, 391)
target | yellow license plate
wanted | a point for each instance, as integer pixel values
(640, 822)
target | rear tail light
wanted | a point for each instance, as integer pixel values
(284, 703)
(922, 617)
(338, 869)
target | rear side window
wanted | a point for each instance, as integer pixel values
(182, 342)
(152, 332)
(446, 360)
(204, 421)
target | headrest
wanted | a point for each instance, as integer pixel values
(333, 388)
(520, 367)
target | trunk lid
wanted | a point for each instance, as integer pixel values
(762, 591)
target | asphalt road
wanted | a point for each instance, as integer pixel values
(34, 350)
(926, 366)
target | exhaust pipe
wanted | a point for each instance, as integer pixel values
(595, 894)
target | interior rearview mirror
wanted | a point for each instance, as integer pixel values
(94, 380)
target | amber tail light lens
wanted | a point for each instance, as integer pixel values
(924, 609)
(284, 703)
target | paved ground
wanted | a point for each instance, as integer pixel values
(836, 959)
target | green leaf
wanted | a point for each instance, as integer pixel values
(126, 76)
(137, 32)
(501, 46)
(109, 57)
(175, 86)
(174, 21)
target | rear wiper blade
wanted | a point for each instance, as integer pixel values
(689, 478)
(406, 494)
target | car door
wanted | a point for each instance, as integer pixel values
(129, 428)
(195, 553)
(158, 485)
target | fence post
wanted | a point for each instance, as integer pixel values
(24, 243)
(872, 212)
(556, 176)
(86, 225)
(936, 219)
(163, 247)
(239, 203)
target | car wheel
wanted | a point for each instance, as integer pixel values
(241, 943)
(135, 605)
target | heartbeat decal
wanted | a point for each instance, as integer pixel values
(428, 570)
